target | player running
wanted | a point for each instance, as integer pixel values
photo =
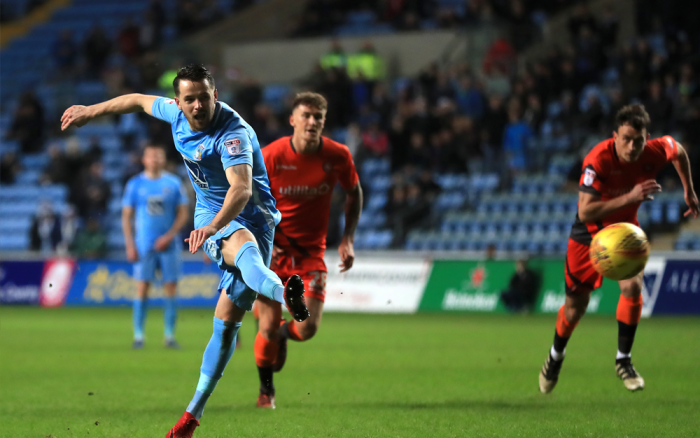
(235, 215)
(617, 176)
(159, 201)
(303, 170)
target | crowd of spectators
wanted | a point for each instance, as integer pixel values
(448, 119)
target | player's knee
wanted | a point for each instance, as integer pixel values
(268, 330)
(631, 289)
(309, 329)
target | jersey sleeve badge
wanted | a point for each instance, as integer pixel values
(233, 146)
(589, 177)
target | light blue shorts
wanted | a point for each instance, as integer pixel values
(168, 262)
(231, 279)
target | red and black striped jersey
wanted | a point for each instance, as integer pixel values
(604, 175)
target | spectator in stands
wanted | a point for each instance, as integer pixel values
(149, 32)
(608, 27)
(470, 100)
(56, 170)
(516, 139)
(375, 141)
(65, 54)
(97, 48)
(495, 120)
(186, 19)
(9, 168)
(522, 289)
(248, 95)
(93, 192)
(366, 65)
(45, 230)
(74, 162)
(27, 127)
(90, 243)
(335, 58)
(70, 223)
(659, 107)
(581, 17)
(128, 39)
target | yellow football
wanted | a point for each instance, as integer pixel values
(620, 251)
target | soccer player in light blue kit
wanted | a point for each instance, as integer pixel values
(159, 201)
(235, 214)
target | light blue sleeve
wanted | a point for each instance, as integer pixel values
(129, 198)
(183, 199)
(165, 109)
(235, 147)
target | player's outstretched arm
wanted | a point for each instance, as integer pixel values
(592, 209)
(353, 210)
(79, 115)
(682, 165)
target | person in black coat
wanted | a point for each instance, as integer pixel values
(522, 289)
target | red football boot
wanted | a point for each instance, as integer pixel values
(184, 428)
(266, 401)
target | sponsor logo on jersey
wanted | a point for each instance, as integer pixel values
(589, 177)
(286, 167)
(196, 173)
(233, 146)
(198, 152)
(323, 189)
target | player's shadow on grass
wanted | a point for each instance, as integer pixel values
(526, 405)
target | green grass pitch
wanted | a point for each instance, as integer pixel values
(446, 375)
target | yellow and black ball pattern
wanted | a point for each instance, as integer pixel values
(620, 251)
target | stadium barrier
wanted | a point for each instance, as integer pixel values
(380, 284)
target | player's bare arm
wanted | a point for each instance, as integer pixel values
(682, 165)
(79, 115)
(163, 241)
(592, 209)
(240, 178)
(127, 215)
(353, 210)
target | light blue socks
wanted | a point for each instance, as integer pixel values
(169, 317)
(139, 317)
(216, 356)
(256, 275)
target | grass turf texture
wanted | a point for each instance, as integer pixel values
(363, 375)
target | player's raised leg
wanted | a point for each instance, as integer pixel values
(241, 250)
(629, 312)
(267, 347)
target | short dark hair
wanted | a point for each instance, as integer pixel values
(634, 115)
(310, 98)
(194, 73)
(154, 146)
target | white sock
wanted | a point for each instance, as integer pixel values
(621, 355)
(556, 355)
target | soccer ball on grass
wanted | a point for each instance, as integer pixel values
(620, 251)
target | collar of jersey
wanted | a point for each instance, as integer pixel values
(291, 144)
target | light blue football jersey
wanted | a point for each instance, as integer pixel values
(155, 202)
(227, 142)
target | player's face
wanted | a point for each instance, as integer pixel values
(629, 143)
(154, 159)
(197, 100)
(308, 122)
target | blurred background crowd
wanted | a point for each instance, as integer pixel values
(438, 152)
